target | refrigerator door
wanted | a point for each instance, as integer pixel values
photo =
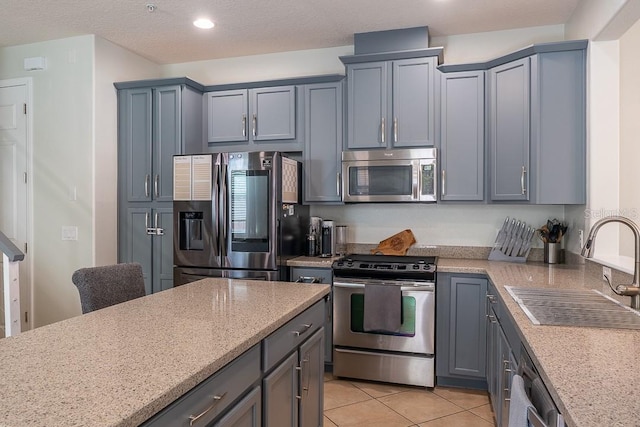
(248, 210)
(184, 275)
(196, 241)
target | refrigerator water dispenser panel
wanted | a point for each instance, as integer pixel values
(191, 231)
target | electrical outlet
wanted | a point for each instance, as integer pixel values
(581, 238)
(606, 274)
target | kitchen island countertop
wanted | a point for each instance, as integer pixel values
(121, 365)
(591, 373)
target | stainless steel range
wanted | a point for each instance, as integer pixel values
(384, 318)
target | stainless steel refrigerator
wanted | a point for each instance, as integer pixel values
(236, 215)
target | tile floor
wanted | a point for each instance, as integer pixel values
(360, 403)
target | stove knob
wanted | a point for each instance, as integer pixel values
(416, 267)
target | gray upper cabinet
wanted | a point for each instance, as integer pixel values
(156, 120)
(537, 128)
(228, 115)
(462, 118)
(391, 103)
(249, 115)
(322, 142)
(509, 130)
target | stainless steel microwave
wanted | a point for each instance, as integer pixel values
(389, 175)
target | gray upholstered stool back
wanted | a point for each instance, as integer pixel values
(101, 287)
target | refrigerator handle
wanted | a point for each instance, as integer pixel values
(224, 210)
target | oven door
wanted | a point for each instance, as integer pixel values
(418, 326)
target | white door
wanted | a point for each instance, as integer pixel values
(14, 213)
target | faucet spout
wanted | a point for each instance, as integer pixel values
(632, 290)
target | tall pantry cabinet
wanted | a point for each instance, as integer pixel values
(156, 119)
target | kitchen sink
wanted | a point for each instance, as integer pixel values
(584, 308)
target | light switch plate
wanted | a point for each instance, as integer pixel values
(69, 232)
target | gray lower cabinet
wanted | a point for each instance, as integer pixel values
(322, 142)
(154, 123)
(252, 115)
(462, 148)
(461, 338)
(503, 345)
(293, 360)
(278, 382)
(391, 104)
(537, 119)
(215, 396)
(247, 413)
(324, 276)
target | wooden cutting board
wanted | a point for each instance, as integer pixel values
(398, 244)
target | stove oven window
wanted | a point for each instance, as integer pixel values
(408, 328)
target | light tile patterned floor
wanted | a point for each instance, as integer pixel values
(350, 403)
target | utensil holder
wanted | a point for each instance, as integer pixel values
(552, 253)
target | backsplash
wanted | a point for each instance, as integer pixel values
(443, 225)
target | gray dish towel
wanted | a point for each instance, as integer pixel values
(382, 308)
(519, 404)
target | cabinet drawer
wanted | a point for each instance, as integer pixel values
(322, 275)
(228, 384)
(291, 335)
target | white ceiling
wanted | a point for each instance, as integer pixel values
(248, 27)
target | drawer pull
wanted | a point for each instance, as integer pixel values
(216, 399)
(305, 328)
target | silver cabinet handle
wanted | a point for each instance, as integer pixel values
(382, 130)
(244, 125)
(156, 185)
(159, 230)
(305, 328)
(254, 122)
(216, 399)
(338, 183)
(492, 318)
(146, 221)
(524, 171)
(443, 182)
(491, 298)
(147, 179)
(395, 129)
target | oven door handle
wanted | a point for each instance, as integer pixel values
(359, 285)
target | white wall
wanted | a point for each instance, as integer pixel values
(112, 64)
(629, 133)
(62, 162)
(74, 151)
(480, 47)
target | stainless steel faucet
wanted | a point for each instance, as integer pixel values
(632, 290)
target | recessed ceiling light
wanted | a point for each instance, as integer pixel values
(203, 23)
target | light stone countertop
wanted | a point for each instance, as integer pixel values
(591, 373)
(121, 365)
(312, 261)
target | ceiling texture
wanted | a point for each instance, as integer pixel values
(250, 27)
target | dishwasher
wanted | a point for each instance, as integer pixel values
(546, 413)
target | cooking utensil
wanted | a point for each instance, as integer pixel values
(518, 240)
(512, 241)
(507, 240)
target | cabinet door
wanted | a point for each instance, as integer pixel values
(413, 121)
(280, 390)
(462, 136)
(494, 366)
(228, 116)
(273, 113)
(467, 336)
(504, 379)
(138, 242)
(322, 142)
(246, 413)
(135, 143)
(163, 249)
(167, 139)
(367, 105)
(312, 380)
(509, 130)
